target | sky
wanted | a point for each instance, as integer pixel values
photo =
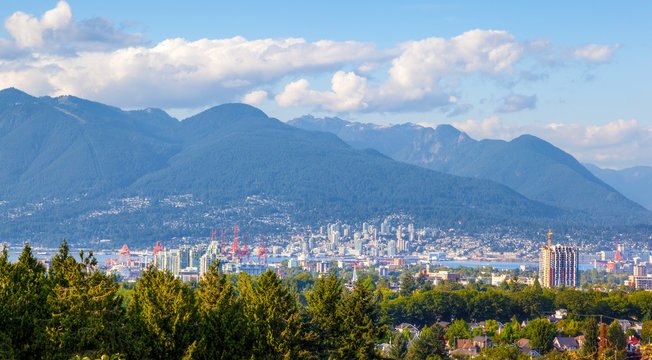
(573, 73)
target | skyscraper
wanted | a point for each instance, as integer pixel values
(558, 265)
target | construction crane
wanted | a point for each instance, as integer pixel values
(262, 251)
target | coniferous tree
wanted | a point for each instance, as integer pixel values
(162, 317)
(591, 342)
(407, 284)
(430, 345)
(616, 337)
(323, 303)
(399, 347)
(361, 327)
(87, 314)
(271, 313)
(224, 332)
(23, 300)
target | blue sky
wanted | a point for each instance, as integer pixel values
(573, 73)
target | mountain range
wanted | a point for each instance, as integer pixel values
(634, 182)
(79, 169)
(531, 166)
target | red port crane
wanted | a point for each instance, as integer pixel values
(158, 247)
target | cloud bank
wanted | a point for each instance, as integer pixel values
(57, 54)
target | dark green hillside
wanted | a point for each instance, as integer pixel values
(229, 157)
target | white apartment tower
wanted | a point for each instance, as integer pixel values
(558, 265)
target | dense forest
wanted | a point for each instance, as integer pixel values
(72, 311)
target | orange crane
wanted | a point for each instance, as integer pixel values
(262, 251)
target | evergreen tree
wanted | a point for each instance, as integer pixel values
(162, 316)
(616, 337)
(646, 331)
(430, 345)
(511, 332)
(23, 300)
(87, 314)
(407, 284)
(271, 313)
(399, 347)
(224, 332)
(323, 303)
(361, 328)
(591, 342)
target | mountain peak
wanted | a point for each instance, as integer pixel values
(10, 96)
(234, 111)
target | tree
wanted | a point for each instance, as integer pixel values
(591, 342)
(616, 337)
(399, 347)
(223, 330)
(323, 303)
(23, 303)
(87, 314)
(407, 284)
(459, 329)
(501, 352)
(361, 327)
(511, 332)
(162, 316)
(646, 332)
(271, 313)
(490, 327)
(541, 334)
(430, 345)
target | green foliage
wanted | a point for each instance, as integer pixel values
(399, 347)
(511, 332)
(223, 330)
(541, 334)
(591, 341)
(430, 345)
(23, 304)
(323, 303)
(459, 329)
(272, 316)
(407, 284)
(361, 327)
(616, 337)
(502, 352)
(162, 315)
(87, 314)
(646, 332)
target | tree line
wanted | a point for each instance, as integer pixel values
(72, 311)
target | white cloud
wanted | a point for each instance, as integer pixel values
(28, 31)
(348, 92)
(255, 97)
(58, 32)
(514, 103)
(57, 54)
(619, 143)
(595, 53)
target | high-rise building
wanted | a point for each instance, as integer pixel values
(558, 265)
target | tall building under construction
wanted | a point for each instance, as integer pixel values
(558, 265)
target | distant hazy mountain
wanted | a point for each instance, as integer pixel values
(527, 164)
(89, 160)
(634, 182)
